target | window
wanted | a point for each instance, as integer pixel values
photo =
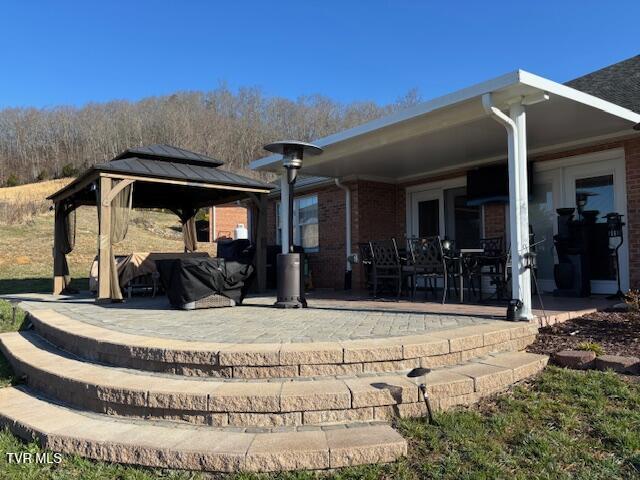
(597, 194)
(305, 223)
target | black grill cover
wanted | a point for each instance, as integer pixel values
(239, 250)
(190, 279)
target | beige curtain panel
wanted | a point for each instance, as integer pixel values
(64, 239)
(120, 213)
(189, 235)
(188, 220)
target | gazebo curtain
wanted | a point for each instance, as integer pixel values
(120, 213)
(188, 220)
(64, 239)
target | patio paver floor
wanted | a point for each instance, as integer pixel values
(253, 322)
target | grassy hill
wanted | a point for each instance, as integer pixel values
(26, 238)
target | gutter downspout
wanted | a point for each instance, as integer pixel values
(347, 229)
(518, 208)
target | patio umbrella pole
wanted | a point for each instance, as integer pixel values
(289, 264)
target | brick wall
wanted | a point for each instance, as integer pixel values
(377, 211)
(494, 220)
(227, 218)
(632, 165)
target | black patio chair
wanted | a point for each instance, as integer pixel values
(492, 264)
(427, 261)
(366, 260)
(385, 265)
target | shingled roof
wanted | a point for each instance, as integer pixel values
(618, 83)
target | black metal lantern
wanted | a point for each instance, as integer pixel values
(289, 264)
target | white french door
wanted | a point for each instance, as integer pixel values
(543, 203)
(599, 180)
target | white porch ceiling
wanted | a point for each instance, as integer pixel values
(454, 131)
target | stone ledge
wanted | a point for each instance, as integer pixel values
(269, 403)
(579, 359)
(618, 364)
(63, 430)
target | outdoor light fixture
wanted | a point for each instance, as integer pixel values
(421, 372)
(289, 264)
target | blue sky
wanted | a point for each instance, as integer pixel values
(74, 52)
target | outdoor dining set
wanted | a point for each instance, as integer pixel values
(437, 264)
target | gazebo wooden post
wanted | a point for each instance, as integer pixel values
(58, 275)
(212, 223)
(261, 242)
(104, 239)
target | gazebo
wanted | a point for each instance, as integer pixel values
(155, 176)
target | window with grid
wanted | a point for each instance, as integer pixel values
(305, 223)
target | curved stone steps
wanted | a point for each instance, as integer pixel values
(277, 360)
(100, 437)
(255, 403)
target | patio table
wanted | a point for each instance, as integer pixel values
(465, 252)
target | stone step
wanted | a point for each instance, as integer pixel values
(254, 403)
(277, 360)
(99, 437)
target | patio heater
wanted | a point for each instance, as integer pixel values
(289, 265)
(614, 230)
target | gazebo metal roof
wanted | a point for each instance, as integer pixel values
(166, 176)
(163, 152)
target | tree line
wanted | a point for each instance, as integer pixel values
(42, 143)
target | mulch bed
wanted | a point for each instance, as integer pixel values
(617, 332)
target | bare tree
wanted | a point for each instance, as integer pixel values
(231, 126)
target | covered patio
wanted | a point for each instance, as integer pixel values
(514, 117)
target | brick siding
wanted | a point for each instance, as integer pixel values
(227, 218)
(494, 219)
(377, 211)
(632, 165)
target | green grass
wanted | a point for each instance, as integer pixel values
(563, 425)
(11, 320)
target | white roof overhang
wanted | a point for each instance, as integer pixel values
(454, 131)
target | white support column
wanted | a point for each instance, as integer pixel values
(516, 127)
(519, 209)
(284, 212)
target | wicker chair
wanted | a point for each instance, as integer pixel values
(385, 265)
(427, 261)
